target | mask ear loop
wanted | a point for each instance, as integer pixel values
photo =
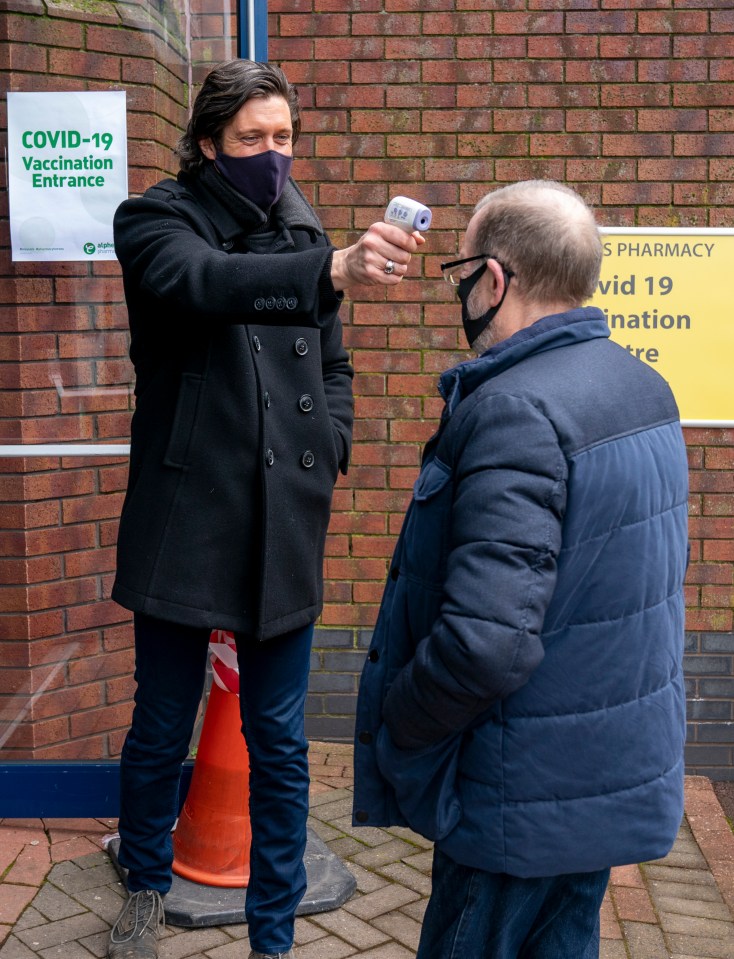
(474, 328)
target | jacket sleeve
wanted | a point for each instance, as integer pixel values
(164, 255)
(505, 536)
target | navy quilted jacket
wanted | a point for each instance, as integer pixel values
(522, 702)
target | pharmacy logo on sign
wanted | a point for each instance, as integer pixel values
(89, 248)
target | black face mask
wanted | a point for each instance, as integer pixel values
(260, 178)
(474, 327)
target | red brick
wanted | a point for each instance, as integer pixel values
(713, 596)
(618, 21)
(422, 48)
(710, 47)
(349, 48)
(711, 620)
(29, 869)
(653, 144)
(633, 904)
(85, 722)
(388, 25)
(17, 571)
(672, 71)
(403, 71)
(42, 31)
(634, 48)
(95, 614)
(566, 95)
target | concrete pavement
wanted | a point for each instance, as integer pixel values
(59, 893)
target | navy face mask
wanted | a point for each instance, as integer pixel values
(473, 327)
(260, 178)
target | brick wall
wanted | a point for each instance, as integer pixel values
(444, 100)
(631, 102)
(64, 377)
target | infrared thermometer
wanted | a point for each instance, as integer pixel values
(408, 214)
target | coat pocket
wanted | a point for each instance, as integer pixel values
(424, 782)
(179, 444)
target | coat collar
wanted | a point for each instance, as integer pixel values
(232, 215)
(548, 333)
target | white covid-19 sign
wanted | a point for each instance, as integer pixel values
(67, 166)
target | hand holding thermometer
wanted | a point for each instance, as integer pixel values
(408, 214)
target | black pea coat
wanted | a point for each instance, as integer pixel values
(243, 407)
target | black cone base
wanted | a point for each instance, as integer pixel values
(189, 904)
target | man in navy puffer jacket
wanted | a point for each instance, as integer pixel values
(522, 702)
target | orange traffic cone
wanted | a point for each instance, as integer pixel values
(211, 844)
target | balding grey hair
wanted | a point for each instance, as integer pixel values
(544, 232)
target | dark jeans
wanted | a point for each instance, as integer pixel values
(482, 915)
(170, 670)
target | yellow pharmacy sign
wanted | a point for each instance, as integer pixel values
(668, 298)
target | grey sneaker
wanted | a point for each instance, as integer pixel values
(137, 928)
(273, 955)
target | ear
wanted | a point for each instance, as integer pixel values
(207, 147)
(497, 280)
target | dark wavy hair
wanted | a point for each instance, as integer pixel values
(225, 90)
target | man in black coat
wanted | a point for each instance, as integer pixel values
(243, 420)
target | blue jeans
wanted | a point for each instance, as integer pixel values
(483, 915)
(170, 668)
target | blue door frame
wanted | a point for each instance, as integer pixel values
(83, 790)
(252, 29)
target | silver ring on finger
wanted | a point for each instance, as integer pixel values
(389, 267)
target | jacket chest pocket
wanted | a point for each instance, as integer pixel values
(426, 540)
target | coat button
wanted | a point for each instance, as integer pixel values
(280, 303)
(361, 816)
(301, 346)
(259, 303)
(270, 303)
(256, 343)
(266, 400)
(269, 457)
(291, 303)
(228, 244)
(308, 459)
(365, 738)
(306, 403)
(394, 572)
(373, 656)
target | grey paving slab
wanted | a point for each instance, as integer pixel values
(400, 927)
(381, 901)
(391, 851)
(698, 926)
(54, 904)
(700, 946)
(612, 949)
(67, 950)
(679, 874)
(355, 931)
(693, 907)
(306, 931)
(405, 875)
(644, 941)
(686, 890)
(63, 931)
(13, 948)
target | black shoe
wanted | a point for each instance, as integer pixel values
(137, 928)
